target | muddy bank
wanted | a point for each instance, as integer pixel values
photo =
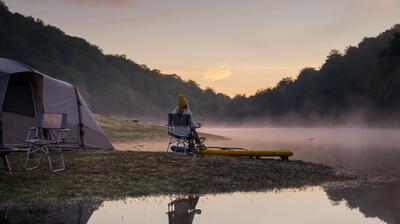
(115, 175)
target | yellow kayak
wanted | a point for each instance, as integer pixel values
(284, 154)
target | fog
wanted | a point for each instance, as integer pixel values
(369, 150)
(355, 141)
(373, 150)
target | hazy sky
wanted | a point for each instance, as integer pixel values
(233, 46)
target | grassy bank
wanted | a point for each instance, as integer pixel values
(115, 175)
(123, 130)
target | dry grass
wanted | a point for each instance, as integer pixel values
(119, 130)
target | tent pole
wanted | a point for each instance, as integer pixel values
(81, 131)
(1, 131)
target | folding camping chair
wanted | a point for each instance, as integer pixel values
(182, 121)
(183, 210)
(185, 141)
(50, 132)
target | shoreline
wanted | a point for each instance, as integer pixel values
(125, 131)
(120, 174)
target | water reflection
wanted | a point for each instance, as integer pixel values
(78, 214)
(183, 210)
(373, 200)
(310, 205)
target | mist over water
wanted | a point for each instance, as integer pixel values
(375, 151)
(366, 149)
(371, 152)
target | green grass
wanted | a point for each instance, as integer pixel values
(116, 174)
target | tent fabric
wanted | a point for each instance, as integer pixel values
(25, 93)
(15, 128)
(60, 96)
(92, 129)
(8, 66)
(18, 98)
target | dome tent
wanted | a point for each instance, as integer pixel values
(26, 93)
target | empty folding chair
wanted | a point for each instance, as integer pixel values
(48, 136)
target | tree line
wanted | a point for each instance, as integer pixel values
(111, 84)
(364, 78)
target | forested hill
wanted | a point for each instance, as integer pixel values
(111, 84)
(364, 78)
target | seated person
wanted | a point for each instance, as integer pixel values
(183, 108)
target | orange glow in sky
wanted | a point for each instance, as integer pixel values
(233, 46)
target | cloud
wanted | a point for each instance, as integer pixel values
(215, 74)
(382, 7)
(115, 3)
(368, 8)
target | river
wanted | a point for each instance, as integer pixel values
(371, 152)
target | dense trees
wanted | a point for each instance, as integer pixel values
(110, 83)
(363, 78)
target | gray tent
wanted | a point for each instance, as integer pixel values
(25, 93)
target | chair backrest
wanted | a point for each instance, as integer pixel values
(180, 120)
(52, 121)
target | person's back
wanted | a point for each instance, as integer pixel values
(183, 130)
(183, 109)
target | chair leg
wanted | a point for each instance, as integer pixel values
(49, 160)
(191, 145)
(62, 162)
(30, 152)
(6, 164)
(169, 144)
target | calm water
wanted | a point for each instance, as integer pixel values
(366, 149)
(310, 205)
(373, 151)
(306, 206)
